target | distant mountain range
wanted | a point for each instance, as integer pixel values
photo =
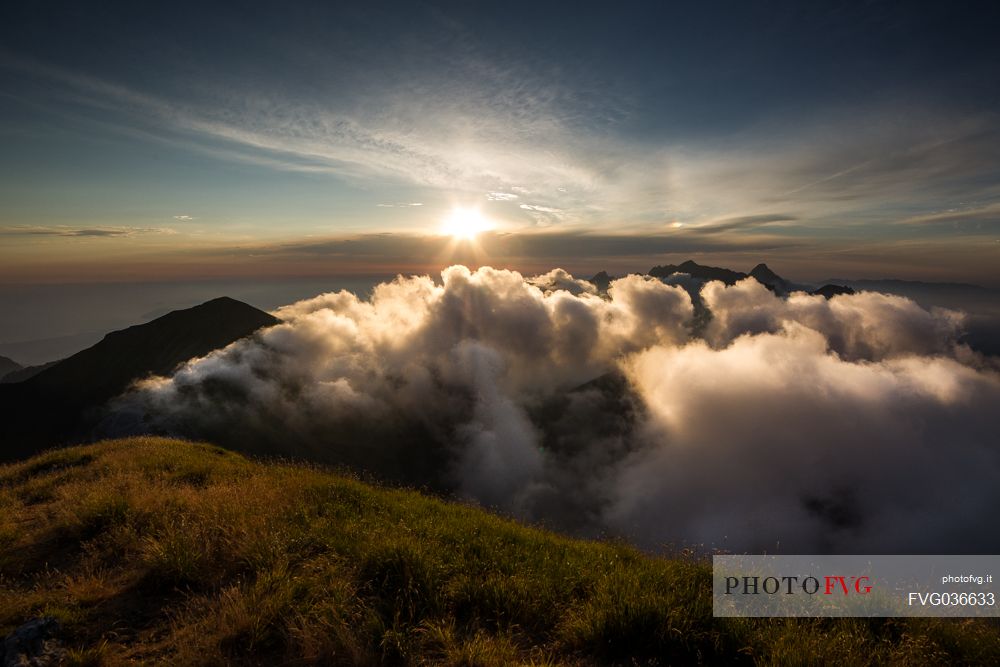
(696, 270)
(959, 295)
(57, 404)
(761, 273)
(26, 372)
(8, 366)
(43, 350)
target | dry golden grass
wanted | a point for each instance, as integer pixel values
(154, 551)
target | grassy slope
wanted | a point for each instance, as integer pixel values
(152, 550)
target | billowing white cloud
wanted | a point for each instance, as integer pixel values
(868, 325)
(775, 444)
(560, 279)
(781, 424)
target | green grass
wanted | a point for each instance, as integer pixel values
(158, 551)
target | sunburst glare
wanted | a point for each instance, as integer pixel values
(465, 224)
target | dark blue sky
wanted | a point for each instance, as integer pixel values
(682, 67)
(187, 140)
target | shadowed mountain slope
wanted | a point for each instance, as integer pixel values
(106, 369)
(56, 404)
(765, 276)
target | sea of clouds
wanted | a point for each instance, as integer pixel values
(798, 424)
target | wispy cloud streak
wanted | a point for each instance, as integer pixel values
(82, 232)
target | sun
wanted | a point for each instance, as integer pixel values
(464, 224)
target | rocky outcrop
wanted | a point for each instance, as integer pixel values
(34, 644)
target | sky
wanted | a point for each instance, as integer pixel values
(166, 142)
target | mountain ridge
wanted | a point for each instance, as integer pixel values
(216, 322)
(7, 366)
(696, 270)
(762, 273)
(58, 403)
